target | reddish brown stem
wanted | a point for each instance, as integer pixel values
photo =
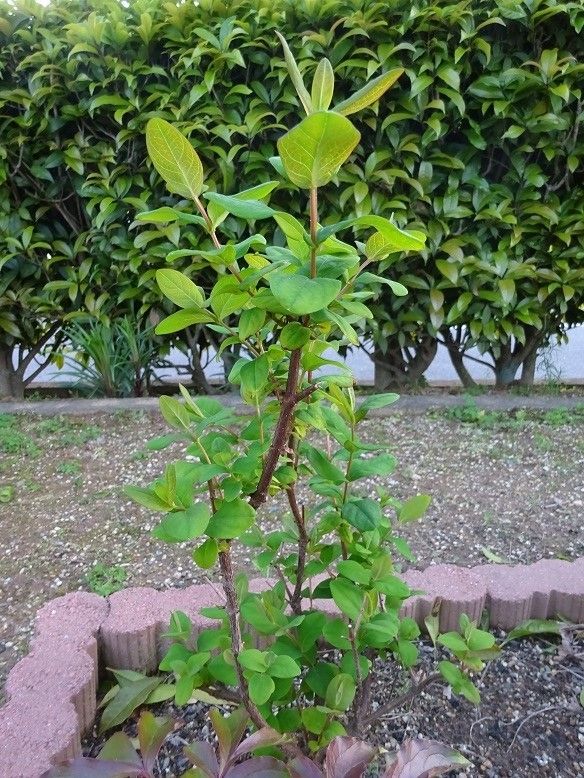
(232, 608)
(298, 514)
(288, 403)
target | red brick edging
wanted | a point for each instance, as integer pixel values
(52, 691)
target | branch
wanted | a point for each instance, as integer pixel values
(234, 628)
(298, 514)
(280, 433)
(414, 690)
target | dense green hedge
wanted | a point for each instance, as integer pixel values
(481, 142)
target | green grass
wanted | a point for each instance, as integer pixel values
(470, 413)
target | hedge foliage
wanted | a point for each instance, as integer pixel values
(486, 123)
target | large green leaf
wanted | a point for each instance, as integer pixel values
(174, 158)
(348, 597)
(362, 513)
(232, 519)
(300, 295)
(180, 526)
(179, 289)
(244, 209)
(314, 150)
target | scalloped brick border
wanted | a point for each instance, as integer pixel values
(52, 691)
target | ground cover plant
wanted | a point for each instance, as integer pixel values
(303, 677)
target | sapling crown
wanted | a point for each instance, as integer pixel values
(285, 303)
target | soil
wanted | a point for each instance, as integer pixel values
(505, 488)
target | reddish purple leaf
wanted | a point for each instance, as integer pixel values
(260, 739)
(84, 767)
(303, 767)
(347, 757)
(202, 755)
(152, 733)
(259, 767)
(424, 759)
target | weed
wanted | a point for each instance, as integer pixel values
(6, 493)
(12, 439)
(68, 468)
(106, 579)
(542, 442)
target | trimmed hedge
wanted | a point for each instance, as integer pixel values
(481, 141)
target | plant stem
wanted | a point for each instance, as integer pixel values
(232, 608)
(402, 699)
(288, 403)
(298, 514)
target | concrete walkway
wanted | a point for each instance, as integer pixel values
(416, 404)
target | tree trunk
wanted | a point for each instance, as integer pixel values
(11, 380)
(198, 377)
(457, 359)
(398, 367)
(505, 372)
(528, 369)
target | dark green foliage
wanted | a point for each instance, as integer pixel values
(479, 140)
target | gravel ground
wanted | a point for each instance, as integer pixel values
(506, 488)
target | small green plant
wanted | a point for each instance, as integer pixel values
(69, 468)
(13, 440)
(6, 493)
(106, 579)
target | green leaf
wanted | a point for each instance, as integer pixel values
(314, 150)
(378, 401)
(507, 288)
(180, 320)
(380, 630)
(354, 571)
(295, 75)
(206, 554)
(284, 667)
(414, 508)
(174, 158)
(534, 627)
(180, 526)
(323, 466)
(174, 412)
(376, 466)
(340, 692)
(370, 93)
(232, 519)
(362, 513)
(243, 209)
(252, 659)
(323, 85)
(261, 687)
(294, 336)
(348, 597)
(253, 375)
(179, 289)
(147, 498)
(126, 701)
(250, 322)
(336, 632)
(300, 295)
